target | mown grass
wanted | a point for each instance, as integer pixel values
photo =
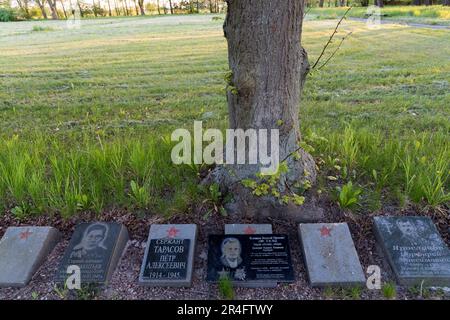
(437, 14)
(86, 114)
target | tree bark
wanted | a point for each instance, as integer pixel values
(127, 13)
(42, 7)
(64, 9)
(321, 3)
(211, 8)
(52, 4)
(171, 7)
(136, 7)
(94, 10)
(141, 7)
(269, 67)
(109, 8)
(116, 8)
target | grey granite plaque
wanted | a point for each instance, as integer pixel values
(330, 255)
(414, 249)
(96, 249)
(22, 252)
(169, 255)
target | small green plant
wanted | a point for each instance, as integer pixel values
(355, 293)
(214, 199)
(87, 292)
(329, 292)
(34, 295)
(226, 290)
(348, 195)
(216, 18)
(140, 195)
(389, 290)
(42, 29)
(20, 212)
(61, 292)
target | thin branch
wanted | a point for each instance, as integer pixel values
(331, 38)
(332, 55)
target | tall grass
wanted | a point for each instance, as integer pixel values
(46, 175)
(418, 167)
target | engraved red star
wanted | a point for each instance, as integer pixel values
(24, 235)
(249, 230)
(324, 231)
(172, 232)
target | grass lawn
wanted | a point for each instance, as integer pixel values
(86, 115)
(434, 15)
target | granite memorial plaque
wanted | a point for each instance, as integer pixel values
(414, 249)
(22, 252)
(169, 256)
(249, 258)
(96, 249)
(330, 255)
(251, 229)
(248, 229)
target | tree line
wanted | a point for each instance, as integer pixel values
(379, 3)
(63, 9)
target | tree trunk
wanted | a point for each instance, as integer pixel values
(42, 7)
(159, 10)
(52, 4)
(93, 8)
(141, 7)
(127, 13)
(64, 9)
(321, 3)
(211, 8)
(427, 2)
(136, 7)
(116, 8)
(269, 67)
(171, 8)
(81, 9)
(24, 7)
(109, 9)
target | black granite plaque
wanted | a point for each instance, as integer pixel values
(95, 248)
(167, 259)
(415, 250)
(250, 258)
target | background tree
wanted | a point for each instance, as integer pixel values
(141, 7)
(109, 8)
(64, 8)
(268, 69)
(53, 10)
(40, 3)
(23, 5)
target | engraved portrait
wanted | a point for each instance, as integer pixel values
(231, 253)
(92, 244)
